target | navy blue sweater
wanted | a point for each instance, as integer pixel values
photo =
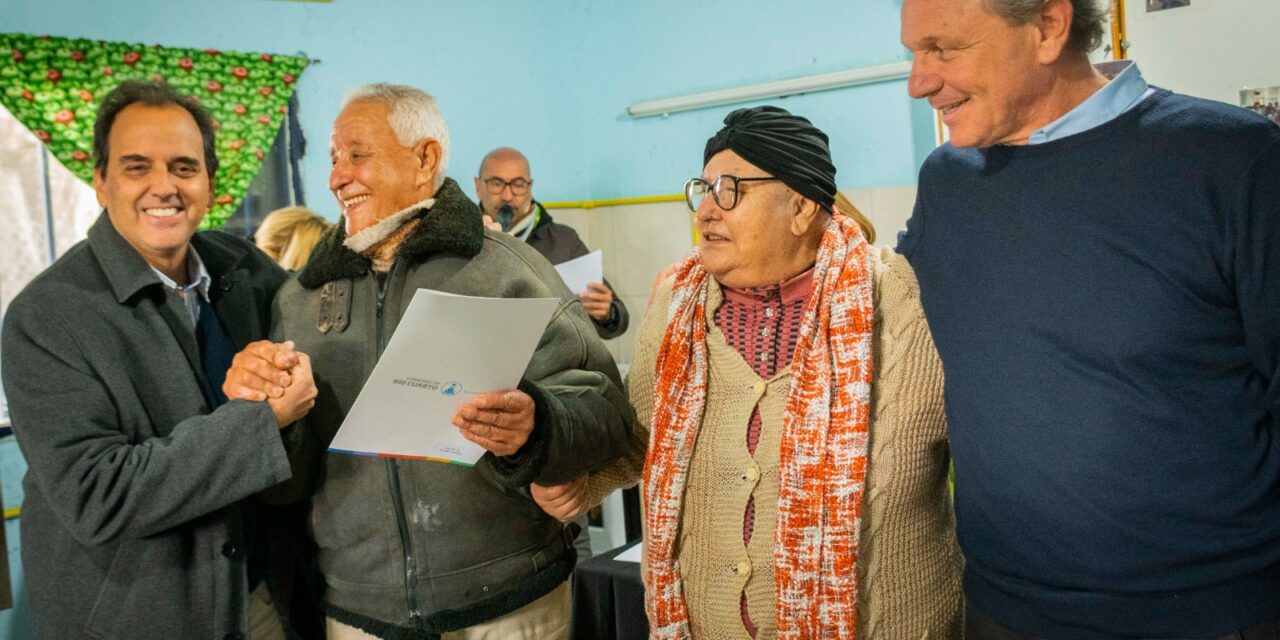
(1107, 309)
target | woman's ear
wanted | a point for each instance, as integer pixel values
(806, 214)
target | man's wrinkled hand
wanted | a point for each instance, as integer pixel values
(299, 397)
(260, 371)
(598, 300)
(500, 421)
(563, 502)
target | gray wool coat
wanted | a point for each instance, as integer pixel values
(129, 525)
(415, 548)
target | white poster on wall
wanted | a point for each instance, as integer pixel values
(1264, 102)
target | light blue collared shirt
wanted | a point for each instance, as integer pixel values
(1125, 90)
(199, 278)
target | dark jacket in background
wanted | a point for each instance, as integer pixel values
(560, 243)
(413, 548)
(130, 525)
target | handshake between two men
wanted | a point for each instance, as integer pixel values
(500, 421)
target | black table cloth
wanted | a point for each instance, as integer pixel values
(608, 599)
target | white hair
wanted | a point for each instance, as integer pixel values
(413, 116)
(1088, 24)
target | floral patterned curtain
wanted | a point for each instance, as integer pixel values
(52, 85)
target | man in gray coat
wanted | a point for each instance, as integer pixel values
(138, 521)
(416, 548)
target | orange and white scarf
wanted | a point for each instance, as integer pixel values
(823, 460)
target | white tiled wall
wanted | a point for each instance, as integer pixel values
(887, 208)
(639, 240)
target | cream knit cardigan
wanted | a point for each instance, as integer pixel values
(909, 567)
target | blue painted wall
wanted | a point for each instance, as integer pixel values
(552, 78)
(663, 48)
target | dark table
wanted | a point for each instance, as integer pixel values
(608, 599)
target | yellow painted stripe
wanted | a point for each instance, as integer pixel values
(617, 202)
(613, 202)
(12, 513)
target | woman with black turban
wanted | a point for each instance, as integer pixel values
(794, 455)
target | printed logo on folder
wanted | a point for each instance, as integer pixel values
(446, 350)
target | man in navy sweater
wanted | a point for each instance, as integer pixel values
(1099, 261)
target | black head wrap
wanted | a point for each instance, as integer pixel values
(788, 147)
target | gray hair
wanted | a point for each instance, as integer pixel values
(1088, 25)
(414, 115)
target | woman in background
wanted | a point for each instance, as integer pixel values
(288, 235)
(845, 206)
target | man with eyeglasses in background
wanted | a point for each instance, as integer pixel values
(505, 192)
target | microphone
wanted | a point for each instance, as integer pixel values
(505, 212)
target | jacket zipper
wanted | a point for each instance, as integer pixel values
(393, 482)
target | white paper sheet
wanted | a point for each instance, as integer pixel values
(581, 270)
(632, 554)
(446, 349)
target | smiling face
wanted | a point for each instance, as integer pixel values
(155, 186)
(983, 74)
(373, 174)
(764, 239)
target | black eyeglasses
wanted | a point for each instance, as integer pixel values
(519, 186)
(723, 190)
